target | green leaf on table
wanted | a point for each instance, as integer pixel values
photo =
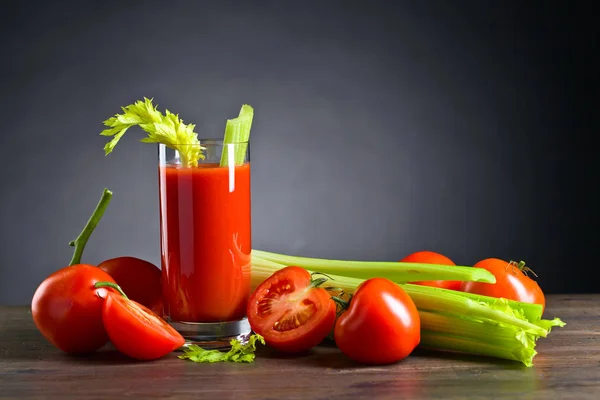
(239, 353)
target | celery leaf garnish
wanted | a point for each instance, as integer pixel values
(239, 353)
(167, 129)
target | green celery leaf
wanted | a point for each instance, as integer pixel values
(167, 129)
(239, 353)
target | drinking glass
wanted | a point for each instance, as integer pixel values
(205, 232)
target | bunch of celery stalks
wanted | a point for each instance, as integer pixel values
(450, 320)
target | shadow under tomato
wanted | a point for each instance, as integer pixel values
(105, 356)
(271, 353)
(322, 356)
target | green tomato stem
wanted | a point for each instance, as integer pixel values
(111, 285)
(341, 302)
(315, 283)
(85, 234)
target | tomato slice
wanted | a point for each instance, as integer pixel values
(289, 313)
(137, 331)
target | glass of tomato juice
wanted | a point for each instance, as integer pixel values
(205, 231)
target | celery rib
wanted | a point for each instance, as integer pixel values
(399, 272)
(237, 133)
(447, 342)
(465, 327)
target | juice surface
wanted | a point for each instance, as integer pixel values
(205, 241)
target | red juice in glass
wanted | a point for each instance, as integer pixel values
(205, 219)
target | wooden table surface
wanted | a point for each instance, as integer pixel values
(567, 367)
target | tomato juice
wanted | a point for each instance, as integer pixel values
(205, 219)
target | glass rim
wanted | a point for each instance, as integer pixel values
(206, 141)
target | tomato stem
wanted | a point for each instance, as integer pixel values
(523, 268)
(343, 304)
(85, 234)
(111, 285)
(320, 273)
(315, 283)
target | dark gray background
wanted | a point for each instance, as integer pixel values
(381, 128)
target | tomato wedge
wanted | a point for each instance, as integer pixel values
(137, 331)
(290, 311)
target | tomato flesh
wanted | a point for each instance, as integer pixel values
(137, 331)
(288, 313)
(511, 283)
(431, 257)
(380, 326)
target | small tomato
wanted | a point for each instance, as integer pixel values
(140, 279)
(67, 308)
(511, 282)
(431, 257)
(381, 324)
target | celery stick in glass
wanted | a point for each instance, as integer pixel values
(237, 132)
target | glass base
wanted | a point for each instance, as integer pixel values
(213, 335)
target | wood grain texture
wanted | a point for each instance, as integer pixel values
(567, 367)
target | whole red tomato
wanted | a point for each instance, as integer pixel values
(290, 311)
(67, 308)
(511, 282)
(381, 324)
(140, 279)
(431, 257)
(137, 331)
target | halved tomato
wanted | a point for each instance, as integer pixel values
(290, 311)
(137, 331)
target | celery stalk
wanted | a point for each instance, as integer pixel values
(427, 299)
(457, 321)
(237, 132)
(499, 349)
(399, 272)
(533, 312)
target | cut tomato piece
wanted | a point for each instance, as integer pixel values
(290, 311)
(137, 331)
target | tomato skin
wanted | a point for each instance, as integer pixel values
(381, 324)
(289, 315)
(431, 257)
(139, 279)
(137, 331)
(511, 283)
(67, 309)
